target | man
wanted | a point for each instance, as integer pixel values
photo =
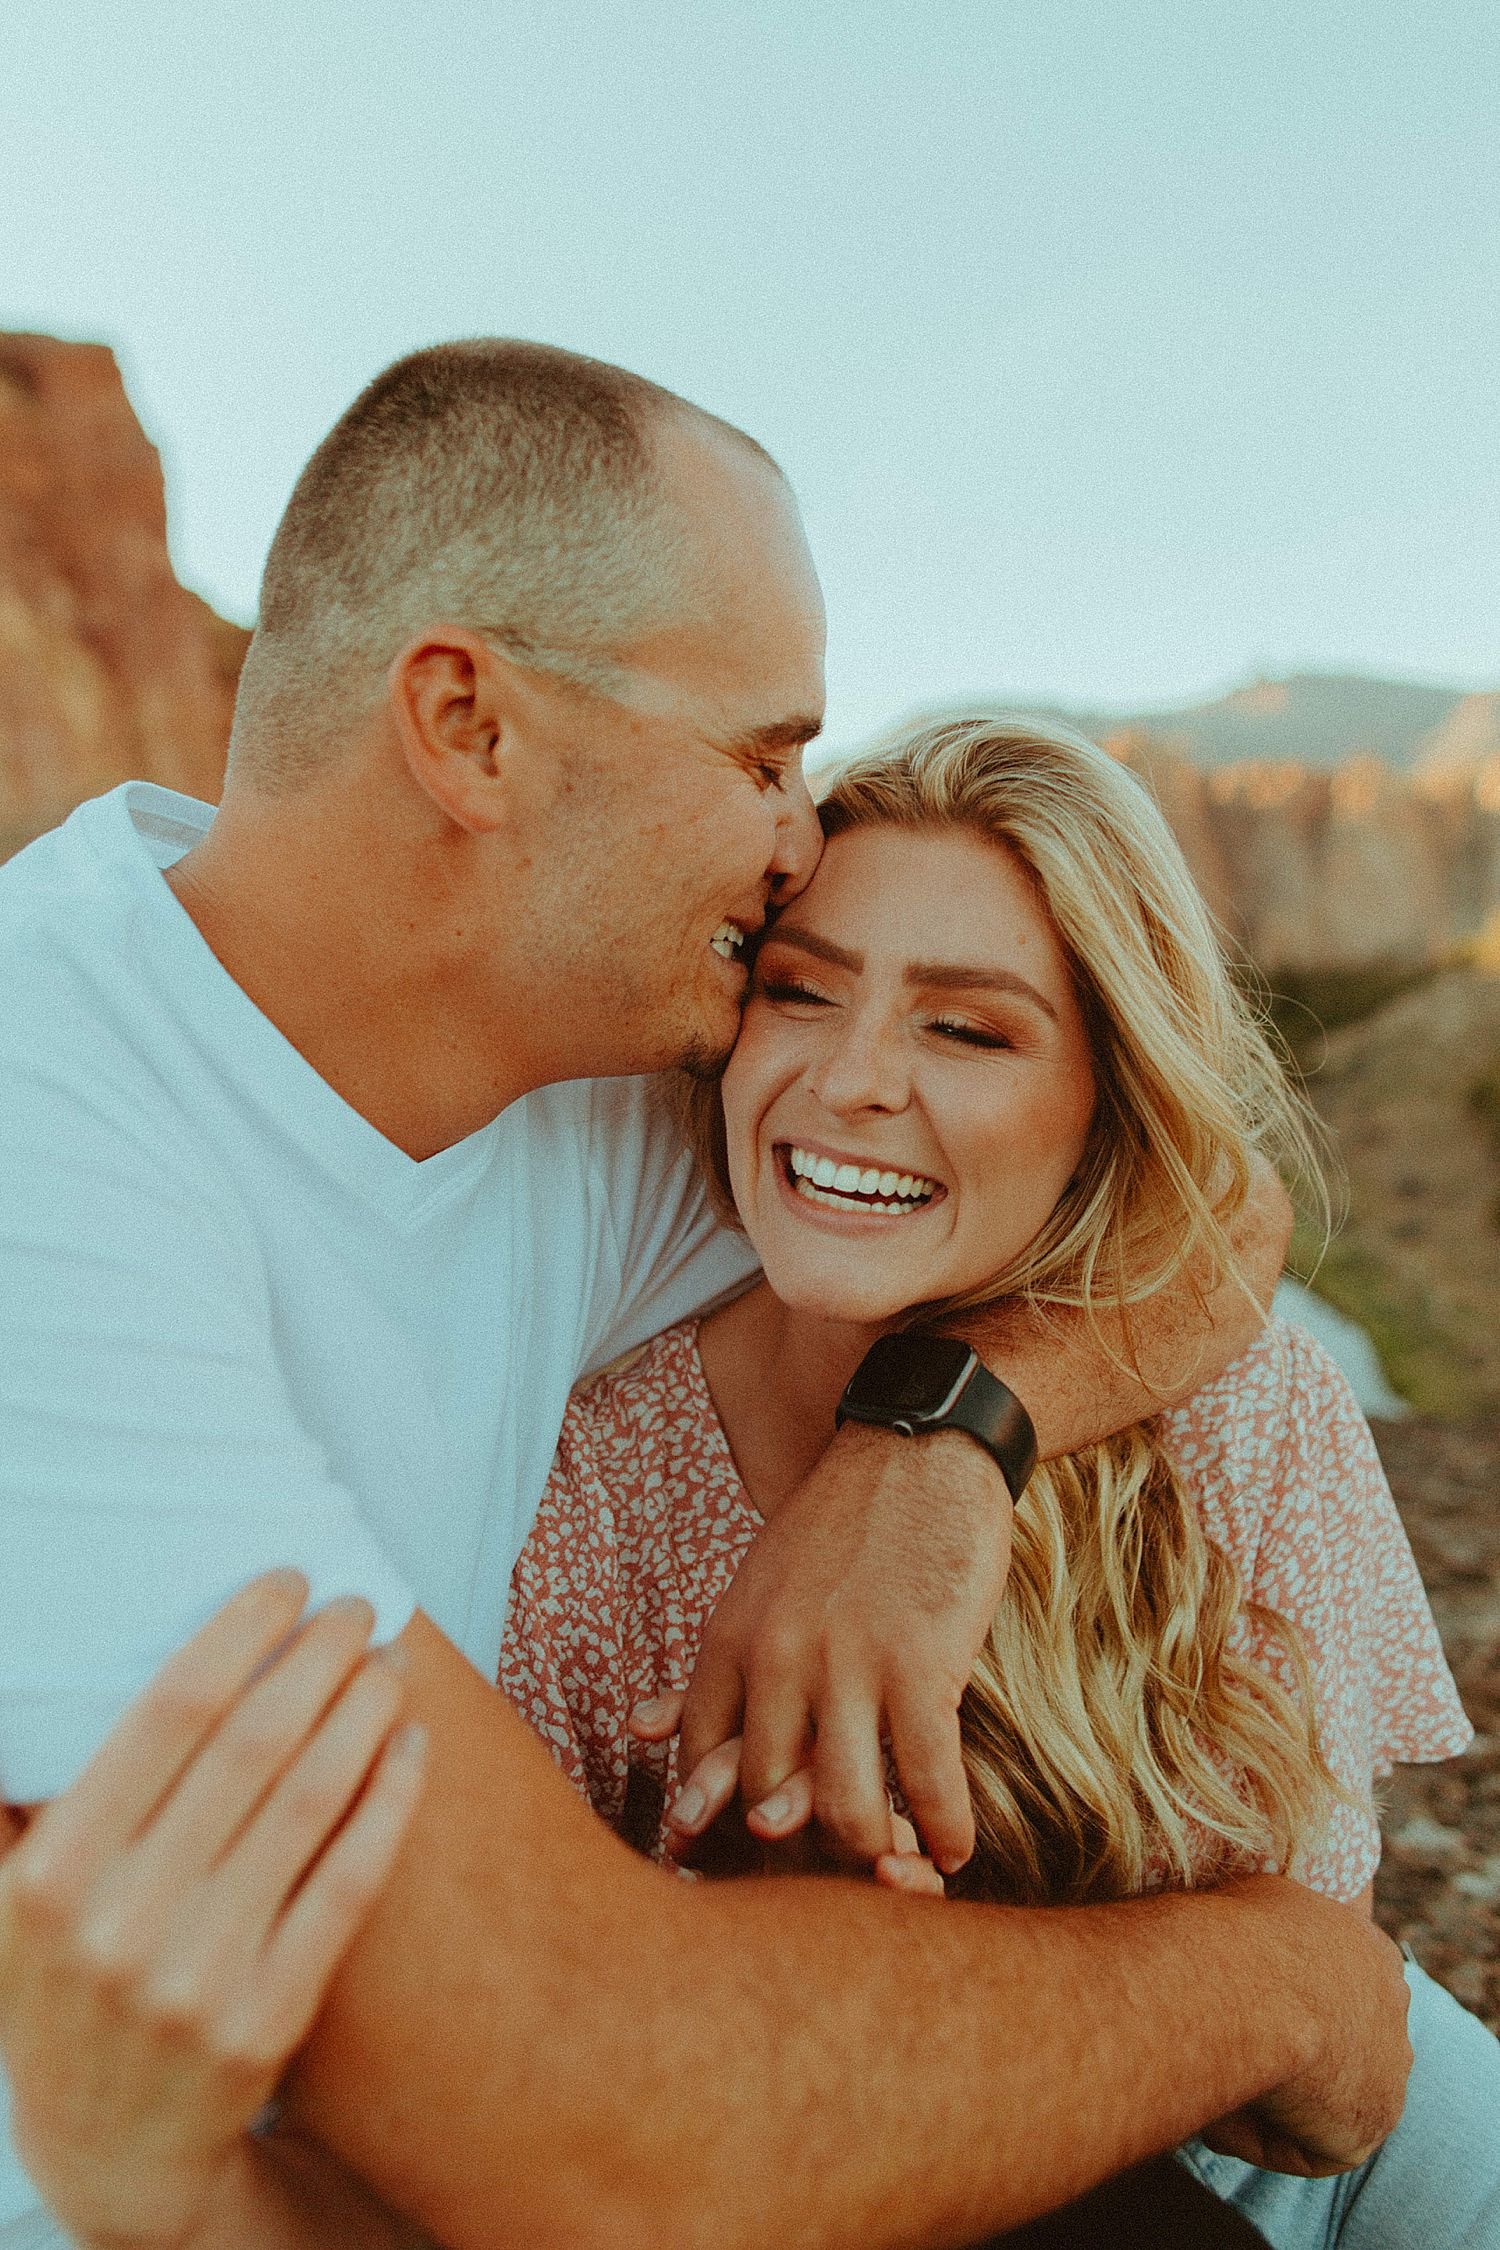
(309, 1223)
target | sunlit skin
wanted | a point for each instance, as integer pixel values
(912, 1012)
(552, 865)
(678, 802)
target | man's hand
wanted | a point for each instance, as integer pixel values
(856, 1618)
(709, 1831)
(1335, 2112)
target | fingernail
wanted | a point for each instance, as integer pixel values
(689, 1808)
(349, 1605)
(644, 1713)
(776, 1807)
(286, 1582)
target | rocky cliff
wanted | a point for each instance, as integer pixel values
(1319, 870)
(108, 667)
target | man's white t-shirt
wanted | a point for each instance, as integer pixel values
(239, 1328)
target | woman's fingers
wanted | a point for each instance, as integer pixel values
(257, 1739)
(786, 1809)
(909, 1871)
(320, 1923)
(708, 1789)
(658, 1717)
(166, 1724)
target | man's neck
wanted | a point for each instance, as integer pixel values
(350, 964)
(776, 1376)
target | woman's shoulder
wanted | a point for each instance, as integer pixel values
(632, 1430)
(1278, 1435)
(1238, 1418)
(1283, 1384)
(657, 1384)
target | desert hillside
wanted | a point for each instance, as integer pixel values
(1320, 720)
(1411, 1097)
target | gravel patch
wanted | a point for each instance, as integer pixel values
(1439, 1881)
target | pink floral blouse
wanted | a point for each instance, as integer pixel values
(645, 1521)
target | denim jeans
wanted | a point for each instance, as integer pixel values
(1433, 2185)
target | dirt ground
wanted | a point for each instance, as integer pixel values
(1439, 1882)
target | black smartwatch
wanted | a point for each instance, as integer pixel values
(914, 1382)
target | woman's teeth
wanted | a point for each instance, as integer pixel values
(728, 941)
(842, 1186)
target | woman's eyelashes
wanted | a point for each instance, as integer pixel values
(790, 990)
(952, 1031)
(968, 1034)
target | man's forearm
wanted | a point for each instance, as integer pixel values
(286, 2193)
(1080, 1380)
(560, 2045)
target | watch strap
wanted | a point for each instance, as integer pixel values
(978, 1404)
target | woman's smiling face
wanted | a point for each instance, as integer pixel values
(912, 1089)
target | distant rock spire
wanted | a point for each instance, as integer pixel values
(109, 669)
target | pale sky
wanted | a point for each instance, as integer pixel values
(1117, 350)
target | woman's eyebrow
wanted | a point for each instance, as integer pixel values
(949, 977)
(945, 975)
(821, 948)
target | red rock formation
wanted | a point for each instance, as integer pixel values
(1336, 870)
(109, 669)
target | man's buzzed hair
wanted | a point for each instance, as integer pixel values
(509, 487)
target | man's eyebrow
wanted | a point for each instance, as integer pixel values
(946, 976)
(780, 734)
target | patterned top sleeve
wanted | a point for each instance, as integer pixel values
(1291, 1487)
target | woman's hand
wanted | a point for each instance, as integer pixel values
(169, 1925)
(709, 1831)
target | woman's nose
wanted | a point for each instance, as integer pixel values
(863, 1067)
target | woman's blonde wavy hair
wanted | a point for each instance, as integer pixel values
(1116, 1733)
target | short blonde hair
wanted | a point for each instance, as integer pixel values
(1114, 1733)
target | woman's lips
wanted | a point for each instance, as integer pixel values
(849, 1191)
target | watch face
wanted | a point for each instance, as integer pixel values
(911, 1374)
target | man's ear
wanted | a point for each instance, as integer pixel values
(455, 704)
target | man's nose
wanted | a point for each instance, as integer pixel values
(799, 842)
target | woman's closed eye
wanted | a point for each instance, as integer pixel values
(792, 991)
(964, 1034)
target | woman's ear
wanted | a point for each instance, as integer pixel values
(453, 702)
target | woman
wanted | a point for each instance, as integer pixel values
(994, 1048)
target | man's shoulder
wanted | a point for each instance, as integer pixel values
(85, 982)
(623, 1129)
(76, 898)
